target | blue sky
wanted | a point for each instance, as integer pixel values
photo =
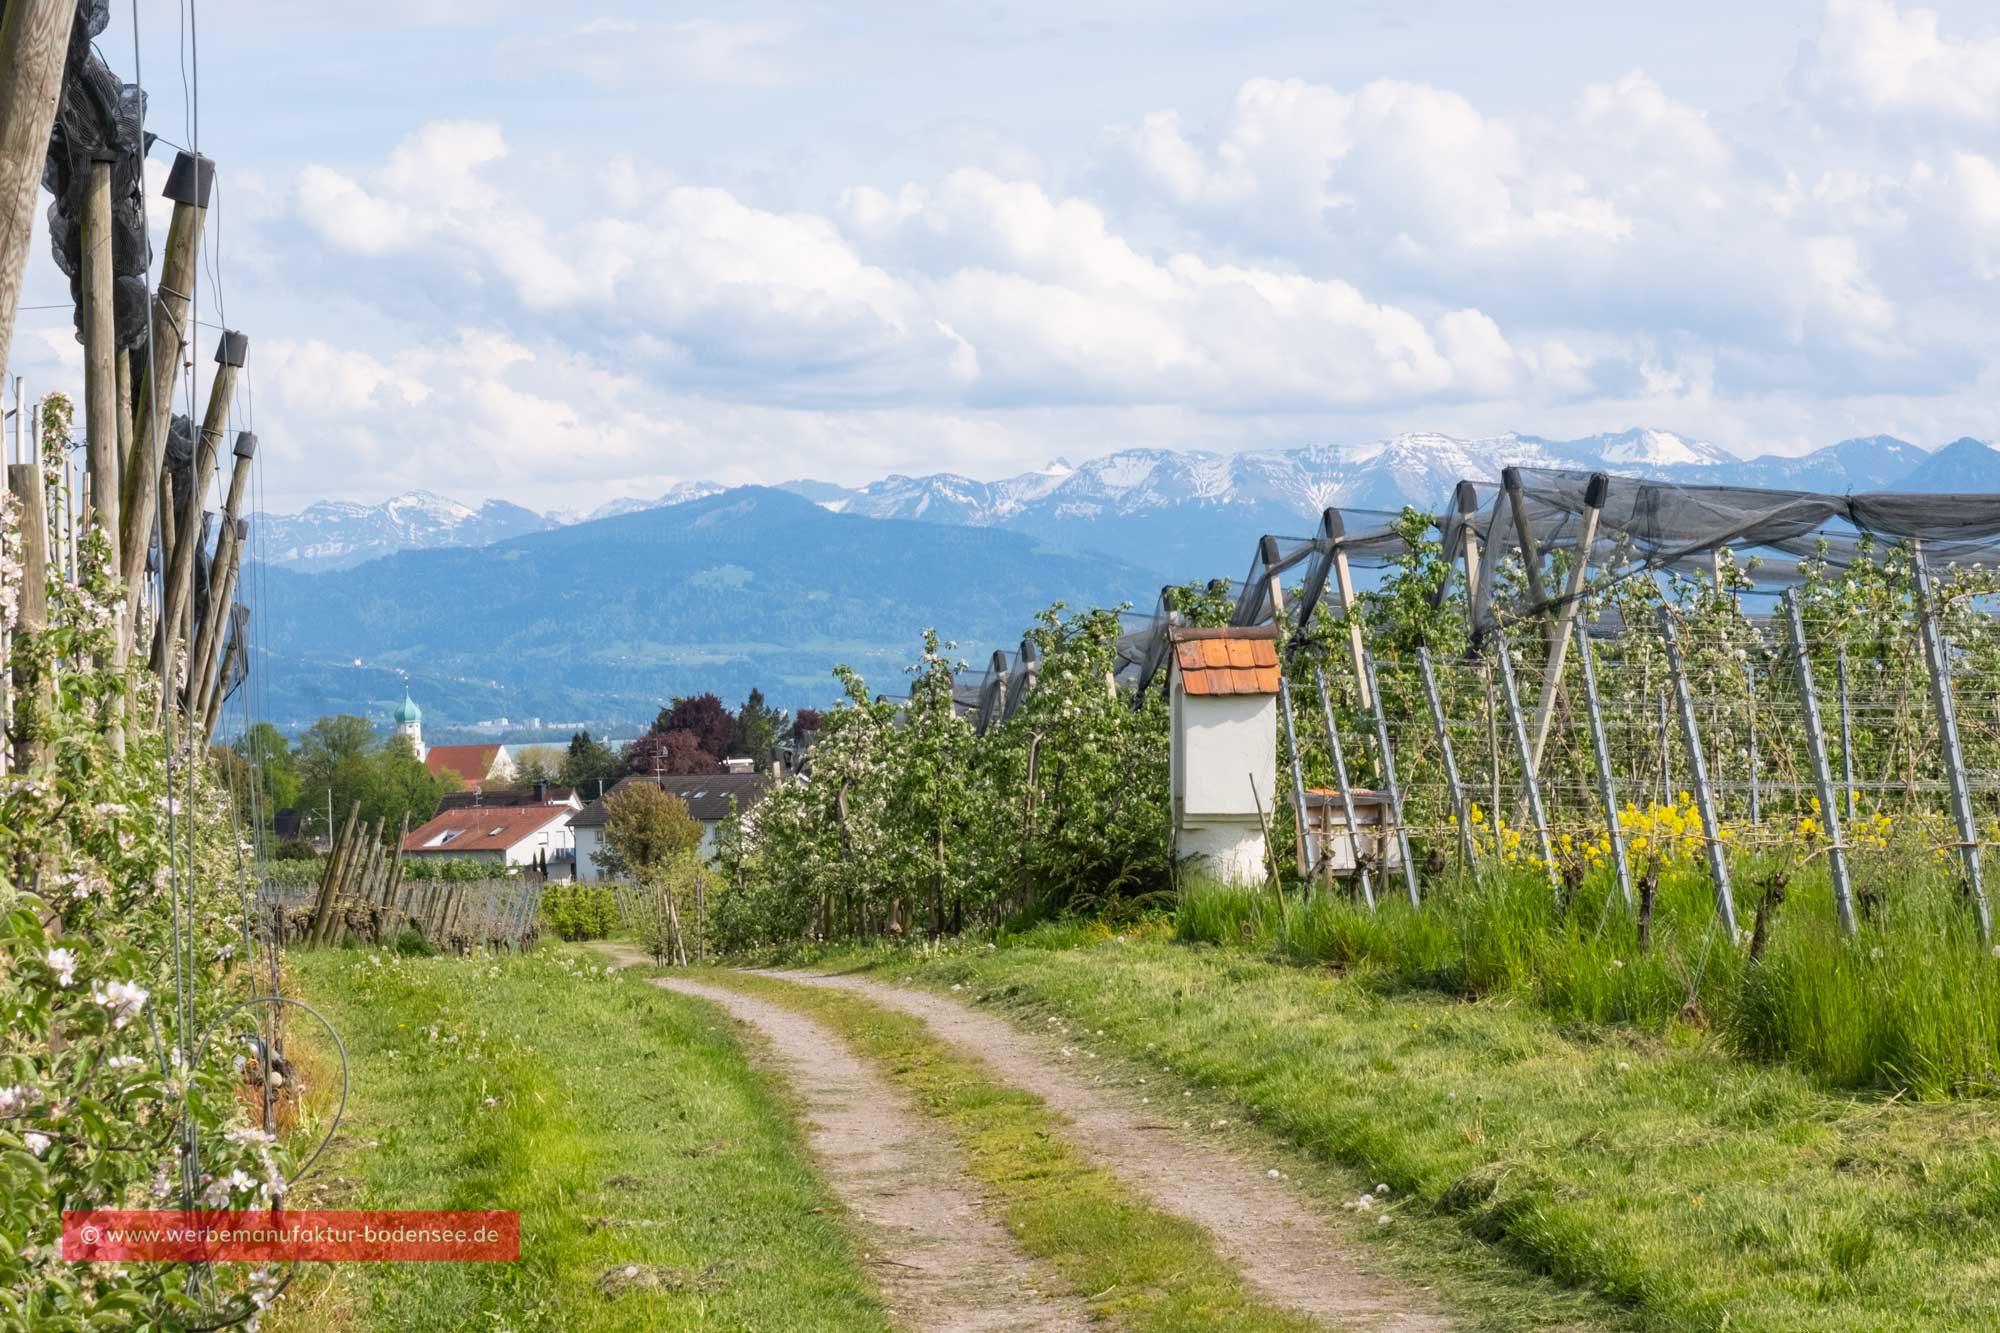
(563, 254)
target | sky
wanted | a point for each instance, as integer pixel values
(562, 254)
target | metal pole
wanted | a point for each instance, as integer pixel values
(1298, 781)
(1666, 772)
(1937, 654)
(1389, 779)
(1528, 779)
(1846, 732)
(1346, 790)
(1596, 491)
(1458, 805)
(1607, 782)
(1756, 786)
(1836, 854)
(1704, 799)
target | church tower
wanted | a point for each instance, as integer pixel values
(409, 721)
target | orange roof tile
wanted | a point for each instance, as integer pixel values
(471, 762)
(484, 830)
(1226, 661)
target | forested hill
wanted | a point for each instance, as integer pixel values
(603, 620)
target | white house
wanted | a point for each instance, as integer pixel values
(1224, 746)
(512, 835)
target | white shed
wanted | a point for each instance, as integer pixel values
(1224, 757)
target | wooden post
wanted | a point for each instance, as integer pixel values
(1607, 780)
(1343, 579)
(1346, 791)
(1594, 495)
(188, 187)
(1395, 791)
(205, 677)
(1937, 656)
(31, 614)
(1298, 784)
(1458, 806)
(1531, 555)
(1846, 732)
(1704, 798)
(1529, 780)
(336, 858)
(1829, 808)
(230, 354)
(227, 549)
(34, 43)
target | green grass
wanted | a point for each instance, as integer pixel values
(621, 1121)
(1912, 1004)
(1145, 1269)
(1684, 1187)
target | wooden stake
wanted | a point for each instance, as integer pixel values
(100, 355)
(34, 43)
(188, 186)
(31, 615)
(229, 357)
(1594, 495)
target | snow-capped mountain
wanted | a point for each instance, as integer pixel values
(332, 534)
(1181, 513)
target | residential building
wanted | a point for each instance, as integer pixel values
(478, 766)
(709, 796)
(495, 798)
(514, 835)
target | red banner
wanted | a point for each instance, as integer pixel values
(402, 1235)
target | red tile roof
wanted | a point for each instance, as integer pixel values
(1226, 661)
(471, 762)
(487, 830)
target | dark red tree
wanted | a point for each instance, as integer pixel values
(705, 716)
(672, 753)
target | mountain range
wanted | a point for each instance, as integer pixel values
(1184, 514)
(602, 621)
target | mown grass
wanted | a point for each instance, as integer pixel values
(1144, 1269)
(1684, 1186)
(1912, 1003)
(622, 1122)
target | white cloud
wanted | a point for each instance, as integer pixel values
(626, 53)
(1874, 55)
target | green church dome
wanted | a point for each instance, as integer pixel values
(407, 711)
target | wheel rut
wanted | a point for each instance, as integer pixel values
(941, 1261)
(1279, 1242)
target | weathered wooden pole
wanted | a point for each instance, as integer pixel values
(1346, 790)
(1531, 555)
(1343, 579)
(1530, 780)
(1395, 789)
(34, 43)
(100, 358)
(208, 642)
(205, 674)
(1829, 808)
(1298, 783)
(31, 616)
(1458, 804)
(1607, 780)
(1937, 656)
(188, 187)
(1594, 495)
(329, 885)
(1704, 796)
(230, 354)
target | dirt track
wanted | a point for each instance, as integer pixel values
(1283, 1247)
(940, 1260)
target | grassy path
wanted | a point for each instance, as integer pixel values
(660, 1179)
(941, 1259)
(1662, 1183)
(1286, 1248)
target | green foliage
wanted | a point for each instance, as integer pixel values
(103, 922)
(588, 765)
(577, 911)
(341, 757)
(909, 822)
